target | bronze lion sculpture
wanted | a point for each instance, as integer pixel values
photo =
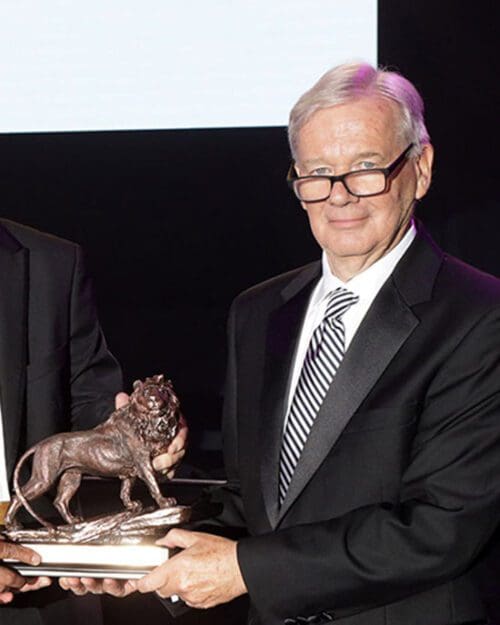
(123, 446)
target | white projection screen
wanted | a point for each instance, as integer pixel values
(161, 64)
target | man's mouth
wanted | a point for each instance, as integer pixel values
(346, 222)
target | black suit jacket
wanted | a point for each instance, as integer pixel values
(397, 492)
(56, 373)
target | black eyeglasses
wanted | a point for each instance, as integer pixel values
(361, 183)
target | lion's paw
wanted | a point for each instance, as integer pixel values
(134, 506)
(167, 502)
(13, 525)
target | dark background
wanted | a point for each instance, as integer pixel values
(176, 223)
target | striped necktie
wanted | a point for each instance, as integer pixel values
(323, 357)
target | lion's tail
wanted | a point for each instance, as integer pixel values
(19, 493)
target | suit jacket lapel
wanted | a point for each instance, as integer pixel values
(13, 339)
(378, 339)
(386, 327)
(281, 341)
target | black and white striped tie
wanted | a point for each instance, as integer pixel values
(323, 357)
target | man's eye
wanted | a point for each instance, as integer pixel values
(321, 171)
(366, 165)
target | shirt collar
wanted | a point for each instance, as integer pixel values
(367, 283)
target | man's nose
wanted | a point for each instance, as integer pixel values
(339, 194)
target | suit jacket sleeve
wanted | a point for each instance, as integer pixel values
(229, 496)
(95, 375)
(448, 508)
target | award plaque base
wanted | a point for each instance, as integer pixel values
(114, 561)
(119, 546)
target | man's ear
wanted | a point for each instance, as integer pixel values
(423, 166)
(297, 171)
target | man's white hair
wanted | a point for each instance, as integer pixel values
(352, 81)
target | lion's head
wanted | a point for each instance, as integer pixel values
(154, 407)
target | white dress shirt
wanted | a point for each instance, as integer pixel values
(365, 285)
(4, 483)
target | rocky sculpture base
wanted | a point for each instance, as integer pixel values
(117, 546)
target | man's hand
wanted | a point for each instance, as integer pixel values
(10, 581)
(167, 462)
(205, 574)
(84, 585)
(121, 400)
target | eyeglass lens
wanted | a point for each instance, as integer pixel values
(362, 183)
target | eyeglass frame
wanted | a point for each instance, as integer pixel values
(388, 172)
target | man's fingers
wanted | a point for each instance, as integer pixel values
(179, 441)
(166, 462)
(35, 583)
(92, 585)
(118, 587)
(10, 579)
(183, 429)
(74, 584)
(67, 583)
(121, 400)
(81, 586)
(178, 538)
(64, 583)
(153, 581)
(162, 463)
(18, 552)
(6, 597)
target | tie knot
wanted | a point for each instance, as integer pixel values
(339, 302)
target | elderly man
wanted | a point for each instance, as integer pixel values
(362, 409)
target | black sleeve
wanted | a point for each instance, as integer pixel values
(95, 376)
